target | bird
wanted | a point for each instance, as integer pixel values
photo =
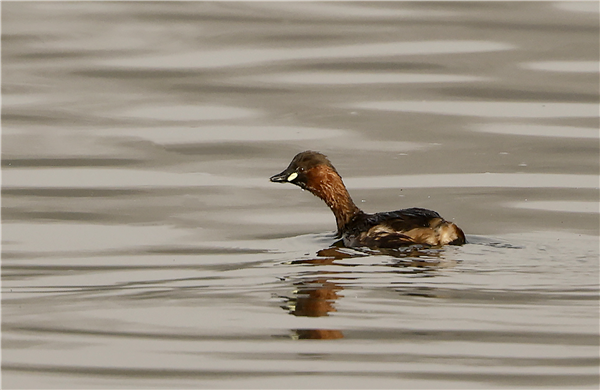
(312, 171)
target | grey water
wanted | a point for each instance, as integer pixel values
(143, 245)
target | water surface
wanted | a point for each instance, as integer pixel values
(144, 247)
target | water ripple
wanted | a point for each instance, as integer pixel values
(486, 109)
(538, 130)
(245, 57)
(356, 78)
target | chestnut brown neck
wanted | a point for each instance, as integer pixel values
(326, 183)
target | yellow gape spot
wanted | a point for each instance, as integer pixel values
(292, 176)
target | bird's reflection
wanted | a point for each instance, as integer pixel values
(318, 334)
(317, 294)
(314, 298)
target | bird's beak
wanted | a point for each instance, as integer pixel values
(280, 177)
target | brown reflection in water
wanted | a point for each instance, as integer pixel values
(329, 255)
(319, 334)
(316, 297)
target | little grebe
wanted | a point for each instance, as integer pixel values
(312, 171)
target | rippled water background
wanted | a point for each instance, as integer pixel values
(143, 245)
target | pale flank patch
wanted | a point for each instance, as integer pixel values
(292, 176)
